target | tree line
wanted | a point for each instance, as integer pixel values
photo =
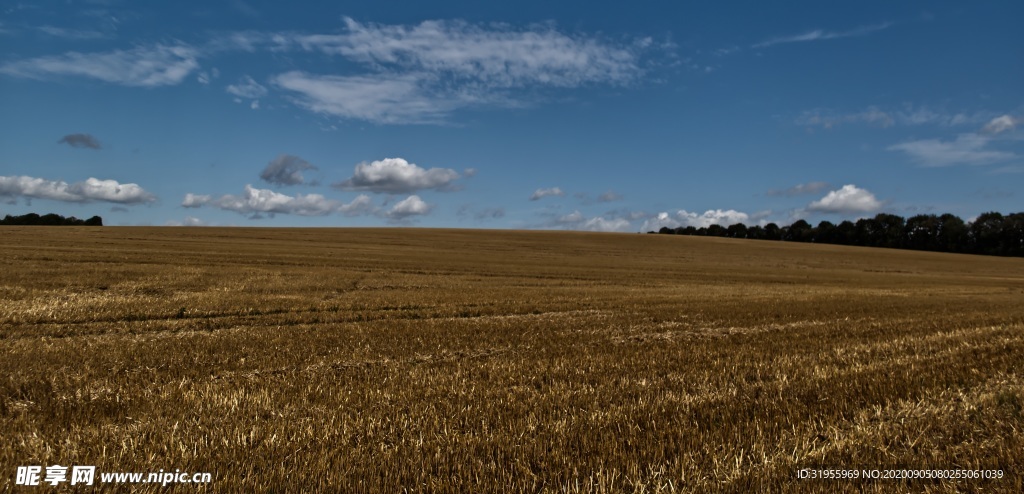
(990, 234)
(50, 220)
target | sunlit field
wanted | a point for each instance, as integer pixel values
(386, 360)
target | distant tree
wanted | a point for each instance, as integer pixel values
(846, 233)
(716, 231)
(737, 230)
(922, 232)
(825, 233)
(48, 220)
(985, 234)
(799, 231)
(991, 233)
(890, 230)
(953, 234)
(1013, 234)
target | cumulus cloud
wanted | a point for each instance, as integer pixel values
(800, 189)
(80, 141)
(396, 175)
(819, 34)
(255, 202)
(848, 199)
(684, 218)
(577, 221)
(410, 206)
(542, 193)
(90, 190)
(286, 170)
(966, 149)
(144, 66)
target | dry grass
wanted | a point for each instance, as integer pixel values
(383, 360)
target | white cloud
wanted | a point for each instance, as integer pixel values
(359, 206)
(800, 189)
(188, 221)
(158, 65)
(254, 201)
(1001, 124)
(577, 221)
(396, 175)
(819, 34)
(696, 220)
(712, 217)
(542, 193)
(848, 199)
(195, 200)
(410, 206)
(247, 88)
(966, 149)
(286, 170)
(90, 190)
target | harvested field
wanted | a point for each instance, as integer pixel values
(386, 360)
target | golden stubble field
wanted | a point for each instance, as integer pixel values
(392, 360)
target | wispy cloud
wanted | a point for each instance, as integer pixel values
(799, 189)
(377, 98)
(542, 193)
(149, 66)
(396, 175)
(972, 148)
(966, 149)
(820, 34)
(74, 34)
(247, 88)
(495, 54)
(421, 73)
(90, 190)
(908, 115)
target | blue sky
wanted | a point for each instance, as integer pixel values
(577, 115)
